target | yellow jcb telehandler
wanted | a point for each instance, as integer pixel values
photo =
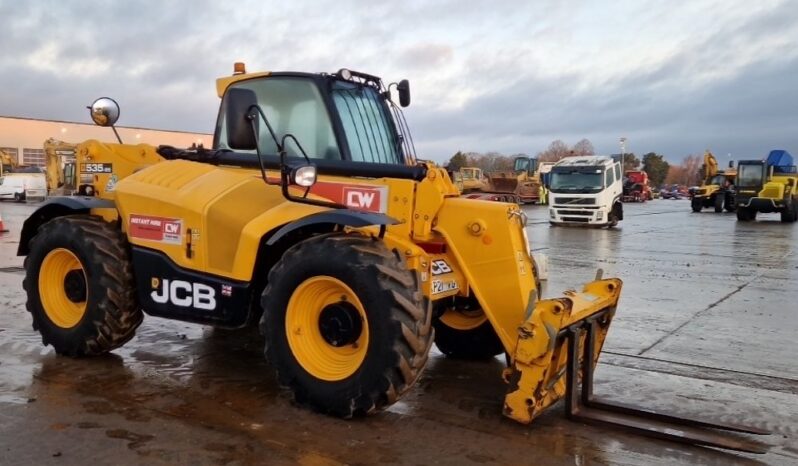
(312, 216)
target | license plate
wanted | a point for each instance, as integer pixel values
(440, 286)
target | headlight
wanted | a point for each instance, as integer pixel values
(599, 215)
(304, 176)
(552, 214)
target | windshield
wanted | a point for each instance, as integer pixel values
(750, 175)
(367, 125)
(564, 180)
(524, 164)
(469, 174)
(718, 180)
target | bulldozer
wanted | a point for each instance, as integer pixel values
(717, 190)
(312, 217)
(768, 185)
(473, 179)
(520, 185)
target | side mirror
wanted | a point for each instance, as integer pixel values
(404, 92)
(240, 132)
(104, 111)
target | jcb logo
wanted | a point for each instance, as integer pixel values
(440, 267)
(184, 294)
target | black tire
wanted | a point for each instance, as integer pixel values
(18, 197)
(111, 313)
(399, 322)
(480, 342)
(745, 214)
(696, 204)
(788, 215)
(729, 203)
(718, 201)
(616, 215)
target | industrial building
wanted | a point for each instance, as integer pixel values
(23, 138)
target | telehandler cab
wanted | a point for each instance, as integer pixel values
(312, 215)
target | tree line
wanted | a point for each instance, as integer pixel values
(659, 171)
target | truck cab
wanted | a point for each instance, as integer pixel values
(586, 190)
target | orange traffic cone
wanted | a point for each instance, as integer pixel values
(2, 227)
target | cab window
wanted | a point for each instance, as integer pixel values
(292, 105)
(608, 177)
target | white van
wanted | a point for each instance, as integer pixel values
(586, 190)
(22, 186)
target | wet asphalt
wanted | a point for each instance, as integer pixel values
(707, 326)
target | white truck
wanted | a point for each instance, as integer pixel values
(586, 190)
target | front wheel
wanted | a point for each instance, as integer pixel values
(346, 325)
(696, 204)
(745, 214)
(463, 331)
(80, 287)
(18, 197)
(718, 203)
(790, 212)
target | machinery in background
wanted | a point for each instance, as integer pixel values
(586, 190)
(520, 185)
(718, 187)
(636, 187)
(352, 255)
(7, 162)
(769, 185)
(60, 167)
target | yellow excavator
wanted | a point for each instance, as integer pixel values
(717, 189)
(7, 162)
(312, 216)
(60, 167)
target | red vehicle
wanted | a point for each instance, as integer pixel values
(635, 187)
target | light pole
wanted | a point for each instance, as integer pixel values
(623, 151)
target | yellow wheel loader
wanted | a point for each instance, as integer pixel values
(312, 216)
(769, 185)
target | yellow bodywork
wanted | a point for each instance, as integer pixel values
(227, 211)
(461, 247)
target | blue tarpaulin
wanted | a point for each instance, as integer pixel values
(781, 161)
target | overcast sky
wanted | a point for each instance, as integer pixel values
(672, 77)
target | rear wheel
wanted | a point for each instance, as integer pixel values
(463, 331)
(347, 327)
(18, 197)
(80, 287)
(718, 202)
(696, 204)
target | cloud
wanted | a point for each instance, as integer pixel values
(504, 76)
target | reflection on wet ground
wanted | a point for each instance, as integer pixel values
(706, 326)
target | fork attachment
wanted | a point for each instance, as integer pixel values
(581, 405)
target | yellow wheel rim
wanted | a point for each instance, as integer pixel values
(463, 320)
(327, 328)
(63, 287)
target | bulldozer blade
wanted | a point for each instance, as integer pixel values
(581, 405)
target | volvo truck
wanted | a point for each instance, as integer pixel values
(586, 190)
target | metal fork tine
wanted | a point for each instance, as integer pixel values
(580, 405)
